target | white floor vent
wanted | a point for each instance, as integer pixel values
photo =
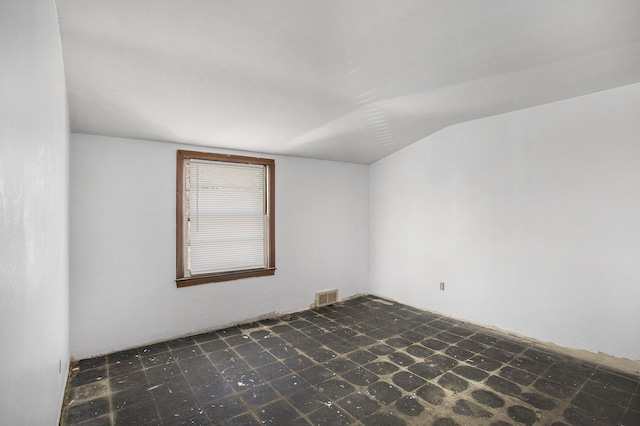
(325, 298)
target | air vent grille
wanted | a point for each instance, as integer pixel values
(326, 298)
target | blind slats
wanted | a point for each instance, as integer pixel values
(226, 210)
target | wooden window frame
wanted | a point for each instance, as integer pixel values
(181, 279)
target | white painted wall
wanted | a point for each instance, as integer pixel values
(123, 290)
(34, 286)
(531, 218)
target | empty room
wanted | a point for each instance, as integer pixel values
(320, 212)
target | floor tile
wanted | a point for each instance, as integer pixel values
(359, 405)
(330, 415)
(384, 392)
(409, 406)
(335, 388)
(360, 377)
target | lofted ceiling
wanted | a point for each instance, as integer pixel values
(331, 79)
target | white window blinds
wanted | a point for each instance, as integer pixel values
(226, 217)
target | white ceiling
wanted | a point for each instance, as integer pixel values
(341, 80)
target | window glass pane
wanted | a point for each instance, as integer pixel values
(226, 217)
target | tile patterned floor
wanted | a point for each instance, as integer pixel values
(364, 362)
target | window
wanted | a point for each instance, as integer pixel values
(225, 217)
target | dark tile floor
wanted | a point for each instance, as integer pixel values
(364, 362)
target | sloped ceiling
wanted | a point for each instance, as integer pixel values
(342, 80)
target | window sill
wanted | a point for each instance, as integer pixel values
(224, 276)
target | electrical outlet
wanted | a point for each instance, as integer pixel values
(442, 286)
